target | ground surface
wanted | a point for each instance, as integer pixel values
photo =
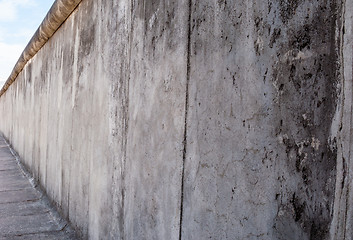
(24, 210)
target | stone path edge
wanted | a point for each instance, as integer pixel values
(65, 225)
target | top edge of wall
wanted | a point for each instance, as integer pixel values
(57, 15)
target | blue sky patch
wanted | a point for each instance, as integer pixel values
(19, 19)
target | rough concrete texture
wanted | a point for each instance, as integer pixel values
(214, 119)
(25, 213)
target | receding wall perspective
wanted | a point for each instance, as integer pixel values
(185, 119)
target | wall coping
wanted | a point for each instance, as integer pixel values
(58, 13)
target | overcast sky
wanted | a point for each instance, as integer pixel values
(19, 19)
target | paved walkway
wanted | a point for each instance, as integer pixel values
(24, 211)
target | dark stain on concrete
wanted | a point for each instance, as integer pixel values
(29, 73)
(288, 9)
(42, 78)
(306, 79)
(87, 40)
(302, 38)
(275, 35)
(318, 232)
(298, 207)
(68, 55)
(160, 20)
(147, 8)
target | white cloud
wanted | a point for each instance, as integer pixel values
(9, 54)
(2, 33)
(22, 33)
(15, 31)
(9, 8)
(7, 11)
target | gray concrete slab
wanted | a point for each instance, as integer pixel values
(4, 154)
(22, 195)
(55, 235)
(24, 210)
(13, 184)
(17, 225)
(8, 165)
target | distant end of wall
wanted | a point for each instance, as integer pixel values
(56, 16)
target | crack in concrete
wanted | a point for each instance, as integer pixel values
(188, 69)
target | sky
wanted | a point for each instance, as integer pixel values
(19, 19)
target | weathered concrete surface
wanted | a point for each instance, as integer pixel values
(156, 119)
(24, 212)
(215, 119)
(263, 92)
(89, 162)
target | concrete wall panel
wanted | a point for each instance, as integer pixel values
(156, 121)
(261, 160)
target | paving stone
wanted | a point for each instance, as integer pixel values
(22, 209)
(23, 195)
(56, 235)
(5, 153)
(8, 165)
(16, 225)
(12, 174)
(11, 184)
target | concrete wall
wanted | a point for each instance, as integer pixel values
(176, 119)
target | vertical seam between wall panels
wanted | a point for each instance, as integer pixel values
(126, 121)
(70, 166)
(342, 39)
(350, 120)
(343, 109)
(341, 54)
(47, 130)
(186, 117)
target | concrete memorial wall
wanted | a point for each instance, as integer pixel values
(185, 119)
